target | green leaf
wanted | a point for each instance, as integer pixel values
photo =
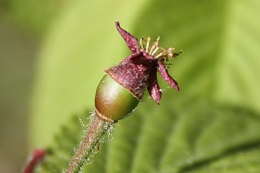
(203, 137)
(220, 64)
(179, 141)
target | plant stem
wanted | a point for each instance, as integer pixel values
(97, 129)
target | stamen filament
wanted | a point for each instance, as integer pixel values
(155, 45)
(141, 43)
(155, 50)
(159, 55)
(147, 44)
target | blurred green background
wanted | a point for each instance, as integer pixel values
(53, 53)
(23, 27)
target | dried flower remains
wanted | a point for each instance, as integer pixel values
(139, 70)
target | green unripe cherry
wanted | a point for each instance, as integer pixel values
(113, 102)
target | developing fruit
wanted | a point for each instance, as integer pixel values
(123, 86)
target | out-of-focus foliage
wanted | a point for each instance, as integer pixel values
(23, 24)
(220, 64)
(33, 16)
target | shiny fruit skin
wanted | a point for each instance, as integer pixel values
(113, 101)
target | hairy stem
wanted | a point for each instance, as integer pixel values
(97, 129)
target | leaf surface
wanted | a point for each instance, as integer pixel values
(204, 137)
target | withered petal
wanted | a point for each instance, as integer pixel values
(130, 40)
(153, 87)
(164, 72)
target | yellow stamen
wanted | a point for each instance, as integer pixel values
(147, 44)
(154, 49)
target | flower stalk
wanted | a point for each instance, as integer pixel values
(98, 127)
